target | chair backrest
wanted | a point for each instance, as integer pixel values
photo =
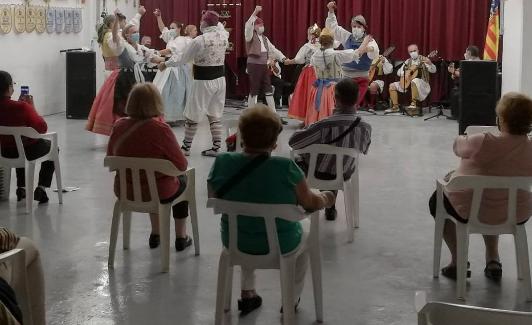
(149, 166)
(340, 153)
(269, 212)
(16, 259)
(231, 127)
(17, 132)
(480, 183)
(475, 129)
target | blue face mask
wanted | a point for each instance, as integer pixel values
(135, 37)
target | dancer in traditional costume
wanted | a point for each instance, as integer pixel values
(207, 96)
(109, 104)
(300, 102)
(326, 63)
(358, 71)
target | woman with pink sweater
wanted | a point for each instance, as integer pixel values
(507, 154)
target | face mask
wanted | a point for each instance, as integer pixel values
(172, 33)
(414, 55)
(260, 30)
(135, 37)
(358, 32)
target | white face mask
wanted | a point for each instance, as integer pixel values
(260, 30)
(358, 32)
(414, 55)
(172, 33)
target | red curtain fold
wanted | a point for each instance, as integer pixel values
(446, 25)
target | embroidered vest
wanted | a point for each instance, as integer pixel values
(214, 48)
(364, 63)
(253, 49)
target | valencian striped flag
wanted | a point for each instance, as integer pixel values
(491, 49)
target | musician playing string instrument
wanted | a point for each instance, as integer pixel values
(382, 67)
(420, 87)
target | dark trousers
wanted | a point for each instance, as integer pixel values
(180, 210)
(34, 151)
(279, 84)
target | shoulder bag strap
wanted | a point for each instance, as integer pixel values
(346, 132)
(240, 175)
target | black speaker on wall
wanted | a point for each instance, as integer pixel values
(479, 93)
(80, 83)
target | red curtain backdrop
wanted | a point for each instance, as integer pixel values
(446, 25)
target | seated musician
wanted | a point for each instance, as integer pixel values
(376, 87)
(472, 53)
(420, 87)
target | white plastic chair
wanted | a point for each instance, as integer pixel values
(231, 127)
(474, 129)
(441, 313)
(350, 187)
(21, 162)
(125, 206)
(15, 260)
(474, 226)
(232, 256)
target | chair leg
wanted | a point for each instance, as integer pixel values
(164, 226)
(356, 201)
(58, 180)
(30, 172)
(315, 268)
(126, 229)
(114, 234)
(438, 239)
(524, 260)
(462, 241)
(287, 271)
(194, 221)
(349, 211)
(225, 275)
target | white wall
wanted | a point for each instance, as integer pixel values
(516, 65)
(33, 59)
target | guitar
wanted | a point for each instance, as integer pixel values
(375, 66)
(451, 67)
(413, 71)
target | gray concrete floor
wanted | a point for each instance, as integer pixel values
(371, 281)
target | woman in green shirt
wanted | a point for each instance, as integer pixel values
(276, 180)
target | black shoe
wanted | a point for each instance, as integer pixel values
(182, 243)
(330, 214)
(21, 193)
(40, 195)
(450, 271)
(247, 305)
(493, 270)
(154, 241)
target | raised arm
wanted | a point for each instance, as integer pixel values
(160, 22)
(340, 34)
(136, 19)
(250, 24)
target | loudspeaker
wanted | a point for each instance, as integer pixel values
(80, 83)
(478, 93)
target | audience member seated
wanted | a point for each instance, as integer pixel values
(144, 135)
(22, 113)
(268, 180)
(507, 154)
(342, 129)
(34, 274)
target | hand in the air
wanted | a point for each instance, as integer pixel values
(258, 9)
(157, 12)
(331, 6)
(162, 66)
(141, 10)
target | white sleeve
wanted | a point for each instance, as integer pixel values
(387, 67)
(135, 20)
(274, 53)
(346, 56)
(336, 44)
(116, 48)
(302, 54)
(431, 68)
(340, 34)
(220, 27)
(188, 55)
(401, 70)
(249, 28)
(165, 35)
(375, 53)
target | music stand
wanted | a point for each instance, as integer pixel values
(439, 106)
